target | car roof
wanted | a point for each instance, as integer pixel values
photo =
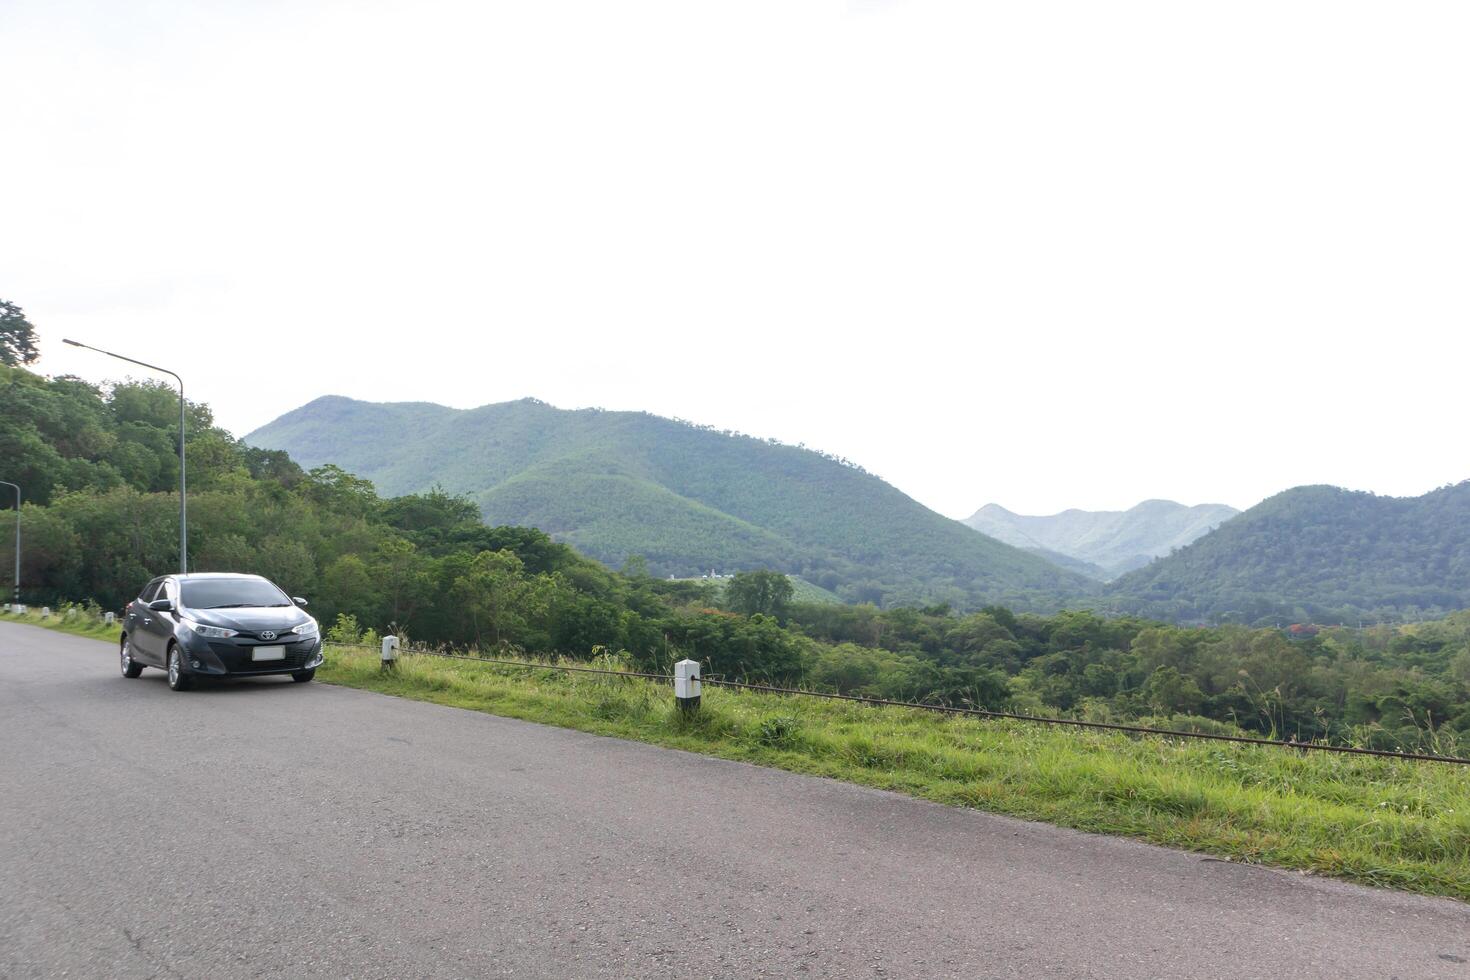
(194, 575)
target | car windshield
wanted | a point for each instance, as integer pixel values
(228, 593)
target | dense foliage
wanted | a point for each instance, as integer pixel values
(1317, 554)
(688, 499)
(17, 336)
(98, 467)
(1387, 686)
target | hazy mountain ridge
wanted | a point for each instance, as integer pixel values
(688, 499)
(1113, 542)
(1317, 553)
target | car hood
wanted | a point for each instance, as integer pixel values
(278, 618)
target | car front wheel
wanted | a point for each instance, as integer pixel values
(177, 679)
(130, 669)
(302, 676)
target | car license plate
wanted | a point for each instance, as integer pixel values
(268, 653)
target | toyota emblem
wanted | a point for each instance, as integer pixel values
(267, 634)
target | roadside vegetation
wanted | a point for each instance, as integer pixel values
(1375, 821)
(83, 621)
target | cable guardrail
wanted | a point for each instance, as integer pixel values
(968, 712)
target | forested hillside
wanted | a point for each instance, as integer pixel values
(97, 467)
(687, 499)
(1317, 554)
(1112, 541)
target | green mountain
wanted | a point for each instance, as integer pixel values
(1084, 568)
(688, 499)
(1104, 544)
(1316, 553)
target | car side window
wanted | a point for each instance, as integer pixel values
(150, 591)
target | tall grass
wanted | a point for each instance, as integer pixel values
(1371, 820)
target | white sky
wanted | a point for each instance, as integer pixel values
(1047, 254)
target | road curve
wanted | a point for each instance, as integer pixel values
(271, 829)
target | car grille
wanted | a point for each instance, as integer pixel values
(279, 636)
(236, 659)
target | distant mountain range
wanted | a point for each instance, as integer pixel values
(687, 499)
(1316, 553)
(1103, 544)
(691, 500)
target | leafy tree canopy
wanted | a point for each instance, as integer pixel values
(763, 593)
(17, 336)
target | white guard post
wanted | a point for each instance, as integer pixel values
(109, 618)
(390, 650)
(45, 612)
(686, 684)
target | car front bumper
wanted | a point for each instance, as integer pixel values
(229, 658)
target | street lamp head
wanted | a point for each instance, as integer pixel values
(66, 340)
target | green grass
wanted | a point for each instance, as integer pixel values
(84, 622)
(1375, 821)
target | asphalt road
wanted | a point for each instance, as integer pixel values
(270, 829)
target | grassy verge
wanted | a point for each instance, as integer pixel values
(1375, 821)
(83, 622)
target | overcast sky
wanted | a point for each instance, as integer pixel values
(1045, 254)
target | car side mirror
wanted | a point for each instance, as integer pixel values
(161, 605)
(300, 601)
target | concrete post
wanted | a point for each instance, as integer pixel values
(686, 685)
(390, 650)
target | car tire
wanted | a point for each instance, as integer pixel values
(130, 667)
(302, 676)
(177, 679)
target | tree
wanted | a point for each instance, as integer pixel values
(403, 576)
(498, 595)
(338, 490)
(17, 336)
(1169, 692)
(1460, 667)
(762, 592)
(435, 511)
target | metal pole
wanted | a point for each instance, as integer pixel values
(183, 495)
(16, 599)
(183, 500)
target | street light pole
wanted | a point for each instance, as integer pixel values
(16, 599)
(183, 503)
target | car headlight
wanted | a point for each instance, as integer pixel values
(217, 632)
(308, 628)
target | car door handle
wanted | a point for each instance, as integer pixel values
(147, 621)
